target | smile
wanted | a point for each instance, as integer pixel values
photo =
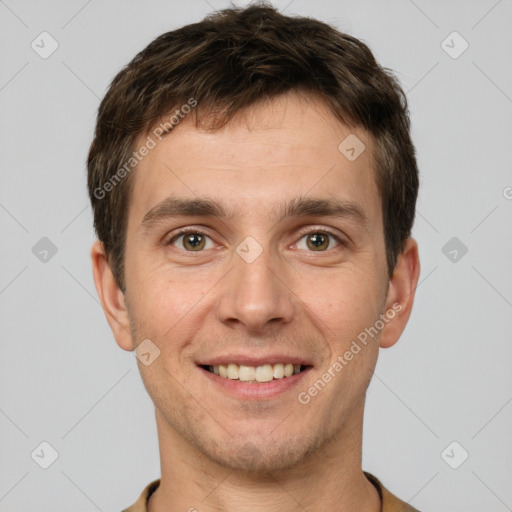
(255, 374)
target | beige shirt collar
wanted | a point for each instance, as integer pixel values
(390, 503)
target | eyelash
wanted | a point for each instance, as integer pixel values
(302, 234)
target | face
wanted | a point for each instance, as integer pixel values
(252, 252)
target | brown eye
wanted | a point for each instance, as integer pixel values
(318, 241)
(191, 241)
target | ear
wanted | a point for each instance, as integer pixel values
(401, 291)
(111, 297)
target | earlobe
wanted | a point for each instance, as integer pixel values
(401, 292)
(111, 297)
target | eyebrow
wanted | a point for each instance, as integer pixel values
(297, 207)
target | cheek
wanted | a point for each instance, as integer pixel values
(166, 303)
(343, 299)
(343, 309)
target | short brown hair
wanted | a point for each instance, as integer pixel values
(231, 60)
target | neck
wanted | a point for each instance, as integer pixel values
(330, 479)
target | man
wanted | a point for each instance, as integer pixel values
(254, 185)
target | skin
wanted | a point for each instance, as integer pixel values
(219, 452)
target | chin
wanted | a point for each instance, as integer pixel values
(262, 456)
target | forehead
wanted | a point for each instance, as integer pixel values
(267, 155)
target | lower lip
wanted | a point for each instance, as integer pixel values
(253, 390)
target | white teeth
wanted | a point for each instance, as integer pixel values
(278, 371)
(246, 373)
(232, 371)
(263, 373)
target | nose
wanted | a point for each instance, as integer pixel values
(255, 295)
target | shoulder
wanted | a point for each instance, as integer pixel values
(141, 504)
(390, 503)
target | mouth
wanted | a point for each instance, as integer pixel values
(260, 374)
(249, 377)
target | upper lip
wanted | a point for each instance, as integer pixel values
(246, 360)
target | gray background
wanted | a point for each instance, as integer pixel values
(63, 379)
